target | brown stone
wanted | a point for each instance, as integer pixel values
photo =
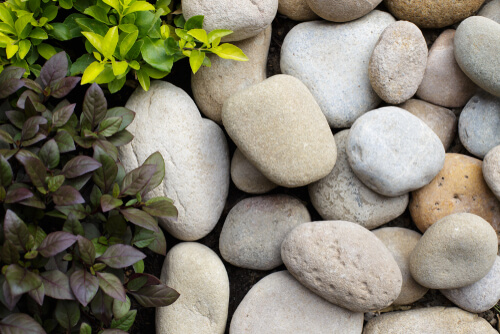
(297, 10)
(459, 187)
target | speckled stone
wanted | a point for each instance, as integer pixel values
(459, 187)
(397, 64)
(344, 263)
(255, 228)
(433, 13)
(491, 170)
(247, 178)
(456, 251)
(342, 10)
(297, 10)
(491, 10)
(342, 196)
(444, 83)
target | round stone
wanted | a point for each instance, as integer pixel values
(401, 242)
(272, 305)
(297, 10)
(342, 10)
(491, 170)
(342, 196)
(454, 252)
(344, 263)
(479, 124)
(491, 10)
(247, 178)
(382, 162)
(397, 64)
(255, 228)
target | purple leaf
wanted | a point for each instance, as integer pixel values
(35, 169)
(39, 136)
(157, 160)
(20, 323)
(62, 115)
(10, 254)
(15, 230)
(10, 300)
(11, 72)
(64, 141)
(87, 250)
(10, 86)
(104, 176)
(140, 218)
(6, 137)
(21, 280)
(136, 180)
(54, 69)
(160, 208)
(80, 165)
(56, 285)
(121, 256)
(94, 105)
(55, 243)
(138, 281)
(5, 172)
(127, 116)
(84, 286)
(67, 195)
(102, 307)
(32, 126)
(62, 87)
(109, 203)
(17, 195)
(16, 117)
(30, 84)
(159, 244)
(155, 295)
(49, 154)
(111, 286)
(21, 102)
(120, 138)
(38, 294)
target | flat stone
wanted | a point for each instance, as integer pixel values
(339, 81)
(342, 196)
(479, 124)
(456, 251)
(213, 85)
(271, 307)
(480, 296)
(195, 153)
(401, 242)
(444, 83)
(342, 10)
(397, 64)
(477, 46)
(433, 13)
(247, 178)
(449, 320)
(441, 120)
(491, 10)
(344, 263)
(255, 228)
(491, 170)
(382, 162)
(297, 10)
(459, 187)
(281, 130)
(200, 277)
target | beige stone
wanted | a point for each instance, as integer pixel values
(297, 10)
(247, 178)
(491, 170)
(342, 10)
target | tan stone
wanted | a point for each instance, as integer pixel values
(459, 187)
(247, 178)
(342, 10)
(297, 10)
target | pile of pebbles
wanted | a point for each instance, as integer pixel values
(363, 114)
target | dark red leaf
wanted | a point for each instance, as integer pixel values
(62, 87)
(49, 154)
(17, 195)
(159, 244)
(127, 116)
(62, 115)
(54, 69)
(157, 160)
(56, 285)
(11, 72)
(149, 279)
(104, 176)
(9, 299)
(80, 165)
(64, 141)
(67, 195)
(6, 172)
(121, 256)
(10, 254)
(111, 286)
(38, 294)
(94, 105)
(15, 230)
(20, 323)
(21, 102)
(39, 136)
(16, 117)
(155, 295)
(67, 313)
(55, 243)
(84, 286)
(107, 147)
(10, 86)
(102, 307)
(136, 180)
(21, 280)
(87, 250)
(140, 218)
(34, 168)
(109, 203)
(160, 208)
(120, 138)
(30, 84)
(32, 126)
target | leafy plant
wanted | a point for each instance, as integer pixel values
(73, 218)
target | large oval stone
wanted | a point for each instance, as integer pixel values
(491, 170)
(297, 10)
(342, 10)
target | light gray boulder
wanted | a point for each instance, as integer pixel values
(491, 10)
(342, 10)
(491, 170)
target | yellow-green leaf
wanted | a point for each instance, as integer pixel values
(199, 34)
(11, 50)
(22, 22)
(5, 15)
(229, 51)
(91, 72)
(113, 3)
(109, 43)
(119, 67)
(128, 42)
(134, 64)
(94, 39)
(218, 33)
(24, 48)
(196, 60)
(139, 6)
(46, 50)
(143, 78)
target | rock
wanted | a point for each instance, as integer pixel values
(477, 46)
(479, 124)
(491, 170)
(397, 64)
(281, 130)
(480, 296)
(214, 85)
(297, 10)
(255, 228)
(272, 305)
(195, 152)
(246, 18)
(459, 187)
(342, 10)
(200, 277)
(331, 60)
(449, 320)
(342, 196)
(247, 178)
(432, 13)
(444, 83)
(456, 251)
(343, 263)
(491, 10)
(401, 242)
(382, 162)
(441, 120)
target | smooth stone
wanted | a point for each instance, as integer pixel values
(382, 162)
(491, 170)
(480, 296)
(435, 320)
(444, 83)
(246, 18)
(491, 10)
(479, 124)
(200, 277)
(297, 10)
(454, 252)
(397, 64)
(195, 153)
(432, 13)
(441, 120)
(213, 85)
(247, 178)
(272, 307)
(342, 10)
(331, 60)
(255, 228)
(344, 263)
(477, 46)
(342, 196)
(401, 242)
(459, 187)
(281, 130)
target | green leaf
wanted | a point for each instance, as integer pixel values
(5, 172)
(55, 182)
(84, 286)
(96, 40)
(159, 245)
(24, 48)
(128, 28)
(109, 203)
(21, 23)
(161, 208)
(98, 13)
(229, 51)
(196, 60)
(64, 141)
(6, 16)
(111, 285)
(66, 4)
(88, 24)
(143, 237)
(184, 35)
(91, 72)
(120, 308)
(67, 313)
(20, 323)
(143, 78)
(139, 267)
(11, 50)
(155, 295)
(79, 66)
(106, 174)
(38, 33)
(106, 75)
(218, 33)
(50, 12)
(46, 50)
(125, 322)
(84, 327)
(139, 6)
(109, 42)
(115, 85)
(195, 22)
(113, 3)
(119, 67)
(154, 54)
(49, 154)
(199, 34)
(73, 226)
(140, 218)
(21, 280)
